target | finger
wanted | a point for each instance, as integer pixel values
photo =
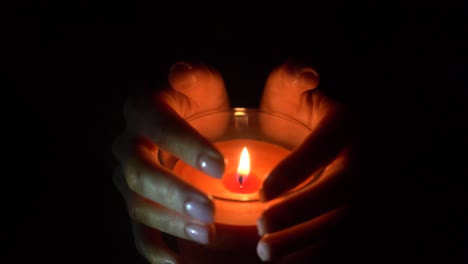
(150, 244)
(148, 241)
(161, 186)
(288, 91)
(144, 177)
(318, 150)
(333, 189)
(274, 245)
(168, 221)
(158, 122)
(197, 88)
(153, 215)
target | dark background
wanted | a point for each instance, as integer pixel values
(400, 63)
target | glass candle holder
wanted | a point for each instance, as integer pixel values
(268, 138)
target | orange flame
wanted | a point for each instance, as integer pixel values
(244, 166)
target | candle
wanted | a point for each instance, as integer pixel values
(262, 156)
(237, 205)
(242, 181)
(253, 143)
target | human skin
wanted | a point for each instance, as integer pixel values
(160, 201)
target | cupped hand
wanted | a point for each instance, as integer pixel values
(157, 201)
(300, 224)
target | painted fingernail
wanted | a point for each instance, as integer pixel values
(199, 210)
(211, 165)
(197, 233)
(181, 74)
(263, 251)
(261, 226)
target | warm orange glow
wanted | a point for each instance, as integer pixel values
(244, 167)
(240, 178)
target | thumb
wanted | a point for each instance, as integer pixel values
(288, 91)
(195, 88)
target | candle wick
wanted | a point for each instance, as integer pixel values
(240, 179)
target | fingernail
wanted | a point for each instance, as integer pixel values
(307, 78)
(180, 67)
(211, 165)
(307, 73)
(197, 233)
(261, 226)
(199, 210)
(181, 73)
(263, 251)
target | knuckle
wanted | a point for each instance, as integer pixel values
(171, 193)
(132, 173)
(137, 212)
(172, 225)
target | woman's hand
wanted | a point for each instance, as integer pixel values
(300, 224)
(296, 226)
(158, 201)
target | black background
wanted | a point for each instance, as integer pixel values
(401, 63)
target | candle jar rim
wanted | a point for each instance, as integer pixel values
(242, 119)
(246, 110)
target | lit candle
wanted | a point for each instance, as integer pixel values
(259, 159)
(243, 181)
(252, 143)
(236, 198)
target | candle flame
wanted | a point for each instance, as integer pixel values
(244, 166)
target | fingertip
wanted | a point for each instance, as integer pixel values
(261, 226)
(261, 195)
(264, 197)
(180, 66)
(182, 75)
(303, 77)
(269, 191)
(263, 251)
(200, 210)
(211, 165)
(199, 233)
(308, 77)
(287, 86)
